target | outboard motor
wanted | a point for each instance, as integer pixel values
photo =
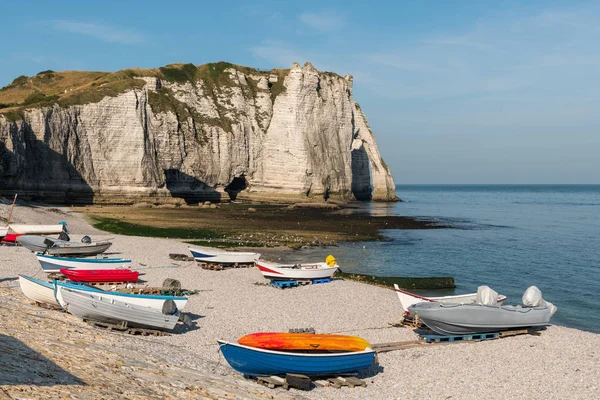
(169, 307)
(86, 239)
(486, 296)
(533, 298)
(64, 236)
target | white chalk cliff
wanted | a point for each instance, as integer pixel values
(259, 135)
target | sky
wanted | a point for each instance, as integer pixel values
(455, 91)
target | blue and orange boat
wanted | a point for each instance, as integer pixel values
(260, 362)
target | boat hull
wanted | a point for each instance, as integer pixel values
(25, 229)
(259, 362)
(54, 263)
(303, 341)
(97, 307)
(207, 254)
(145, 300)
(463, 319)
(100, 275)
(407, 299)
(38, 290)
(3, 232)
(36, 243)
(289, 272)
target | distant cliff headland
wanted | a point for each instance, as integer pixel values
(188, 133)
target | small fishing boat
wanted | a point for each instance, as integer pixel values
(303, 341)
(407, 299)
(54, 263)
(57, 247)
(38, 290)
(209, 254)
(25, 229)
(259, 362)
(100, 275)
(464, 319)
(97, 307)
(272, 270)
(145, 300)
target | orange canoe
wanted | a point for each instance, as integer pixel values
(303, 341)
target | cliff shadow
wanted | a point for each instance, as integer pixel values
(39, 173)
(361, 174)
(189, 188)
(21, 365)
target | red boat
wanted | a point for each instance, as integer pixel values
(100, 275)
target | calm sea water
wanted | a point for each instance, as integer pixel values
(507, 237)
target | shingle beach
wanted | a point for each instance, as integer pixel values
(74, 360)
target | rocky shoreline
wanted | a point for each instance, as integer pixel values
(254, 225)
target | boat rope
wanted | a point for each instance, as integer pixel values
(6, 393)
(220, 357)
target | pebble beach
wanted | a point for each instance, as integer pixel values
(559, 363)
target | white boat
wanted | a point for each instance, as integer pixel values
(272, 270)
(25, 229)
(209, 254)
(98, 307)
(38, 290)
(408, 299)
(145, 300)
(54, 263)
(3, 232)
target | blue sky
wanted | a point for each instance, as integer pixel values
(455, 91)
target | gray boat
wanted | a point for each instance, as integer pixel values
(93, 306)
(58, 247)
(464, 319)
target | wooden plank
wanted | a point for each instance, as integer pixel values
(221, 266)
(272, 381)
(403, 347)
(336, 382)
(322, 383)
(516, 332)
(355, 381)
(122, 327)
(394, 344)
(298, 381)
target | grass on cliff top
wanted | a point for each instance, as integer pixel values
(81, 87)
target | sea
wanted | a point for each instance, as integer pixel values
(507, 237)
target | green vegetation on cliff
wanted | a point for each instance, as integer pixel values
(67, 88)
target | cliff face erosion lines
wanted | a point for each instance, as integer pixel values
(189, 132)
